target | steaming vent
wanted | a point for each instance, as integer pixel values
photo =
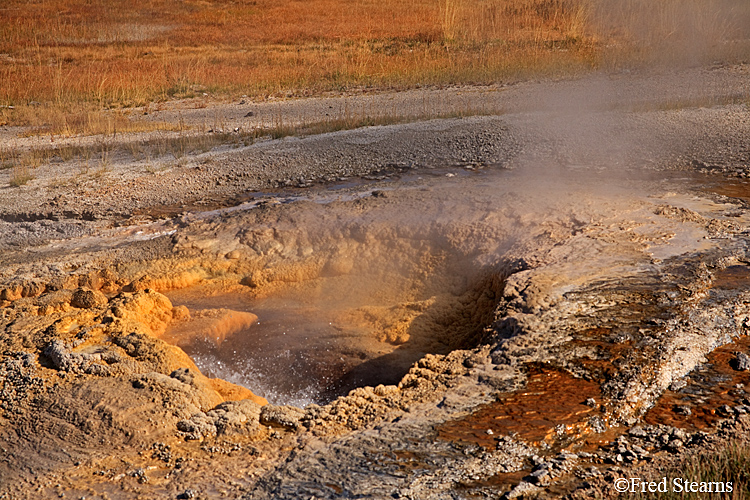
(314, 340)
(349, 300)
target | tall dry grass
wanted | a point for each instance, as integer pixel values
(62, 62)
(112, 54)
(728, 465)
(530, 22)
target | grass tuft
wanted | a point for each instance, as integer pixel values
(730, 464)
(20, 175)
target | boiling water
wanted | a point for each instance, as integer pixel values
(295, 353)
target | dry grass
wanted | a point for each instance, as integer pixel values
(730, 464)
(165, 147)
(114, 54)
(63, 62)
(81, 118)
(8, 157)
(20, 175)
(523, 22)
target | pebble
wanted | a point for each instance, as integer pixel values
(637, 432)
(741, 362)
(683, 410)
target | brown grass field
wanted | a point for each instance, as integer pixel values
(63, 62)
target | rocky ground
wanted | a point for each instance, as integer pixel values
(529, 303)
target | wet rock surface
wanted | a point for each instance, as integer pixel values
(531, 324)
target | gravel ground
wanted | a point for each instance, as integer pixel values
(574, 118)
